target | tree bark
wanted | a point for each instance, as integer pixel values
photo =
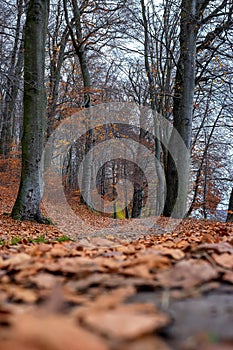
(182, 112)
(12, 87)
(55, 75)
(230, 208)
(27, 205)
(155, 107)
(78, 42)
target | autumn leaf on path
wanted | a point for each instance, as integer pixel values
(49, 332)
(187, 274)
(126, 321)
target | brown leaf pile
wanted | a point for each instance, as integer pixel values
(79, 294)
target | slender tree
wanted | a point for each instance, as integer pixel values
(12, 84)
(58, 34)
(191, 12)
(230, 208)
(27, 205)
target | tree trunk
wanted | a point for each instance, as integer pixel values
(175, 204)
(55, 75)
(27, 205)
(12, 87)
(154, 106)
(230, 208)
(79, 47)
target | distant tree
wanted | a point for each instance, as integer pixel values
(27, 205)
(230, 208)
(92, 26)
(58, 34)
(11, 53)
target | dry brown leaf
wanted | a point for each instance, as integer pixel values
(125, 322)
(145, 343)
(158, 262)
(207, 238)
(75, 298)
(225, 260)
(82, 266)
(59, 251)
(17, 261)
(101, 242)
(114, 297)
(187, 274)
(108, 264)
(93, 279)
(45, 280)
(109, 300)
(153, 260)
(19, 294)
(182, 244)
(221, 247)
(50, 332)
(43, 248)
(176, 254)
(228, 276)
(28, 272)
(126, 249)
(169, 243)
(138, 271)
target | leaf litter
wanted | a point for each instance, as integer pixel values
(57, 293)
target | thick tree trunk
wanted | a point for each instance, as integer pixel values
(175, 204)
(230, 208)
(27, 205)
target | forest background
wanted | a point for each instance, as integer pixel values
(175, 58)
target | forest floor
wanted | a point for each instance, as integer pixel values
(144, 290)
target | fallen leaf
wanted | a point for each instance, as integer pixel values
(45, 280)
(145, 343)
(138, 271)
(176, 254)
(207, 238)
(228, 276)
(187, 274)
(16, 261)
(59, 251)
(52, 332)
(221, 247)
(114, 297)
(225, 260)
(19, 294)
(125, 322)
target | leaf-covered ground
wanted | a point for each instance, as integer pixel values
(137, 292)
